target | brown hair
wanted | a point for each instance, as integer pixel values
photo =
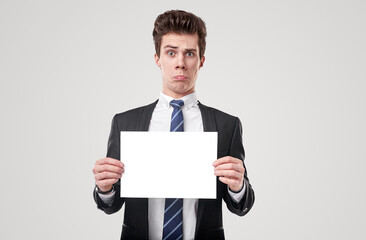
(182, 22)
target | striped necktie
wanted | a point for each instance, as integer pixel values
(173, 214)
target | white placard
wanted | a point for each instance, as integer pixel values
(168, 164)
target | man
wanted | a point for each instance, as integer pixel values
(180, 43)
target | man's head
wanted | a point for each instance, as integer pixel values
(180, 44)
(178, 21)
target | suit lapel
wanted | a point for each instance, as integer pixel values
(145, 117)
(208, 118)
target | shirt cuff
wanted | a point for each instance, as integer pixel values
(107, 198)
(237, 196)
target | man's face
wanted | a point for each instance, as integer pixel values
(179, 62)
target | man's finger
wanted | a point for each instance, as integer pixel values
(229, 173)
(107, 168)
(234, 185)
(106, 182)
(110, 161)
(231, 166)
(227, 159)
(107, 175)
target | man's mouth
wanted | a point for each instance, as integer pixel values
(180, 77)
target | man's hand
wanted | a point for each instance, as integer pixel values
(230, 171)
(107, 171)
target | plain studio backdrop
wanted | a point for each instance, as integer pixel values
(292, 71)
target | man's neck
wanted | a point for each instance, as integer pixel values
(177, 95)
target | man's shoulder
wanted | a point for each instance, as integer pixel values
(218, 113)
(135, 112)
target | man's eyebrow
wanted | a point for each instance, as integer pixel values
(175, 47)
(170, 46)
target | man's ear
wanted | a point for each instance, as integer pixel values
(157, 60)
(202, 61)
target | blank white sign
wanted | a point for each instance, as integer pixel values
(168, 164)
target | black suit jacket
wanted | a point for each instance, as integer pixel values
(209, 214)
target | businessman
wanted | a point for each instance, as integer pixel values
(180, 42)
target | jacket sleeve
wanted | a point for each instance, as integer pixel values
(237, 151)
(113, 151)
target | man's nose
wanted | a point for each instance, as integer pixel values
(181, 64)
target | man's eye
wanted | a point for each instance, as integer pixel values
(170, 53)
(189, 54)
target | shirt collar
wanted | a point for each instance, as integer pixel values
(189, 100)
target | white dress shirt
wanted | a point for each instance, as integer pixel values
(160, 122)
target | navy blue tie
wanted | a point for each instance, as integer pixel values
(173, 214)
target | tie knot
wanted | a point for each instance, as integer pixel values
(177, 103)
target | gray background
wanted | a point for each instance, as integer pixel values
(293, 71)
